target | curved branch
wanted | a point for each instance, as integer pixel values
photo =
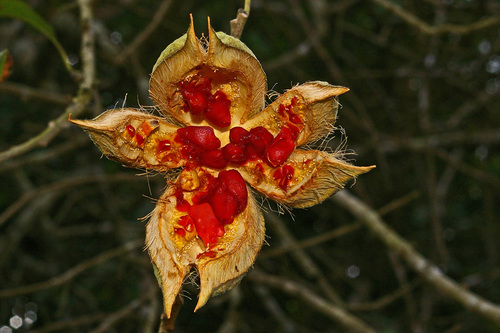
(334, 312)
(73, 272)
(428, 271)
(439, 29)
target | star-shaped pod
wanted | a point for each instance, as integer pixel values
(216, 131)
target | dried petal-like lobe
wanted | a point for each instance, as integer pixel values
(134, 138)
(228, 53)
(229, 65)
(173, 65)
(313, 177)
(244, 240)
(220, 266)
(311, 106)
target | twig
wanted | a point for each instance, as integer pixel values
(115, 317)
(385, 300)
(428, 271)
(238, 23)
(66, 325)
(81, 100)
(439, 29)
(308, 266)
(338, 232)
(73, 272)
(26, 92)
(309, 242)
(334, 312)
(167, 324)
(58, 186)
(274, 308)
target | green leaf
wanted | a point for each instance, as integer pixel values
(22, 11)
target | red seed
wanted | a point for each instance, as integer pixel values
(279, 151)
(239, 135)
(197, 101)
(207, 225)
(213, 159)
(199, 136)
(288, 172)
(258, 141)
(218, 110)
(185, 220)
(181, 204)
(196, 92)
(208, 187)
(234, 153)
(139, 138)
(224, 206)
(295, 130)
(130, 130)
(261, 133)
(191, 153)
(232, 182)
(180, 232)
(163, 145)
(278, 174)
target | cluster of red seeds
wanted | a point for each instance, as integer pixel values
(217, 202)
(199, 99)
(220, 199)
(200, 145)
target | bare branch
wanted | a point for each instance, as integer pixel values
(73, 272)
(334, 312)
(238, 23)
(428, 271)
(439, 29)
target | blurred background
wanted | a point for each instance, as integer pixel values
(423, 106)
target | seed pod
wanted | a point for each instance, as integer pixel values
(219, 133)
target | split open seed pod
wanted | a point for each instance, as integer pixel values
(217, 131)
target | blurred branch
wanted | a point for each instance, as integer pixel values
(27, 93)
(487, 136)
(144, 35)
(81, 100)
(439, 29)
(70, 323)
(45, 155)
(385, 300)
(115, 317)
(428, 271)
(332, 311)
(73, 272)
(59, 186)
(167, 324)
(309, 268)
